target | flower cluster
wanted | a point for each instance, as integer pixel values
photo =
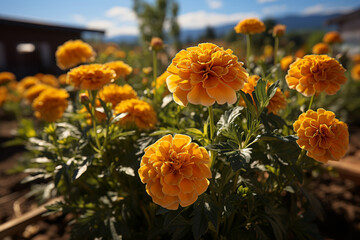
(314, 74)
(121, 69)
(205, 74)
(72, 53)
(175, 171)
(322, 135)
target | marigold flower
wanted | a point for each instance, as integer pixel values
(322, 135)
(121, 69)
(114, 93)
(62, 79)
(161, 80)
(26, 83)
(137, 112)
(300, 53)
(147, 70)
(72, 53)
(35, 91)
(332, 37)
(356, 58)
(314, 74)
(355, 72)
(50, 104)
(268, 51)
(285, 62)
(205, 74)
(277, 102)
(156, 43)
(6, 77)
(90, 77)
(320, 48)
(279, 30)
(119, 54)
(249, 87)
(250, 26)
(50, 80)
(175, 171)
(3, 94)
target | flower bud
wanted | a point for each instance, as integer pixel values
(156, 44)
(84, 99)
(279, 30)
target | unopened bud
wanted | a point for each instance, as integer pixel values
(84, 99)
(279, 30)
(156, 44)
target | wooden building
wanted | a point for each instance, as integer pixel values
(27, 48)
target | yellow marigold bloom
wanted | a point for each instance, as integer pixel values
(314, 74)
(285, 62)
(3, 94)
(110, 49)
(26, 83)
(250, 26)
(355, 72)
(279, 30)
(50, 80)
(35, 91)
(332, 37)
(50, 104)
(322, 135)
(6, 77)
(121, 69)
(161, 80)
(72, 53)
(119, 54)
(90, 77)
(62, 79)
(249, 87)
(147, 70)
(356, 58)
(268, 51)
(300, 53)
(137, 112)
(277, 102)
(205, 74)
(175, 171)
(320, 48)
(114, 93)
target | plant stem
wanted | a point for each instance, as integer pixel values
(92, 95)
(154, 53)
(212, 129)
(311, 101)
(276, 49)
(248, 51)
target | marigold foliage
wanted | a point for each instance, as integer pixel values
(314, 74)
(121, 69)
(320, 48)
(332, 37)
(72, 53)
(6, 77)
(175, 171)
(114, 93)
(90, 77)
(355, 72)
(322, 135)
(285, 62)
(205, 74)
(136, 112)
(50, 104)
(250, 26)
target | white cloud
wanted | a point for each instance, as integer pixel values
(123, 14)
(78, 18)
(265, 1)
(324, 10)
(214, 4)
(274, 9)
(113, 28)
(201, 19)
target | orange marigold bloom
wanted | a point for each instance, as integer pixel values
(322, 135)
(50, 80)
(114, 93)
(161, 80)
(285, 62)
(249, 87)
(300, 53)
(320, 48)
(314, 74)
(137, 112)
(6, 77)
(279, 30)
(26, 83)
(35, 91)
(250, 26)
(147, 70)
(3, 94)
(90, 77)
(355, 72)
(121, 69)
(175, 171)
(62, 79)
(72, 53)
(50, 104)
(356, 58)
(277, 102)
(332, 37)
(205, 74)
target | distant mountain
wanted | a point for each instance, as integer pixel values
(293, 23)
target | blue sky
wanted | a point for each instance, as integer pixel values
(117, 17)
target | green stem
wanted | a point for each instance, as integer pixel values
(54, 137)
(276, 49)
(92, 95)
(154, 70)
(311, 101)
(248, 51)
(212, 129)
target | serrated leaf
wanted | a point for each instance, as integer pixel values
(260, 92)
(118, 117)
(199, 222)
(80, 171)
(240, 158)
(272, 89)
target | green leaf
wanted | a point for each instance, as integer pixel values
(240, 158)
(260, 92)
(314, 203)
(249, 103)
(272, 89)
(118, 117)
(199, 222)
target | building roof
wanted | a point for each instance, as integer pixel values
(45, 26)
(344, 18)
